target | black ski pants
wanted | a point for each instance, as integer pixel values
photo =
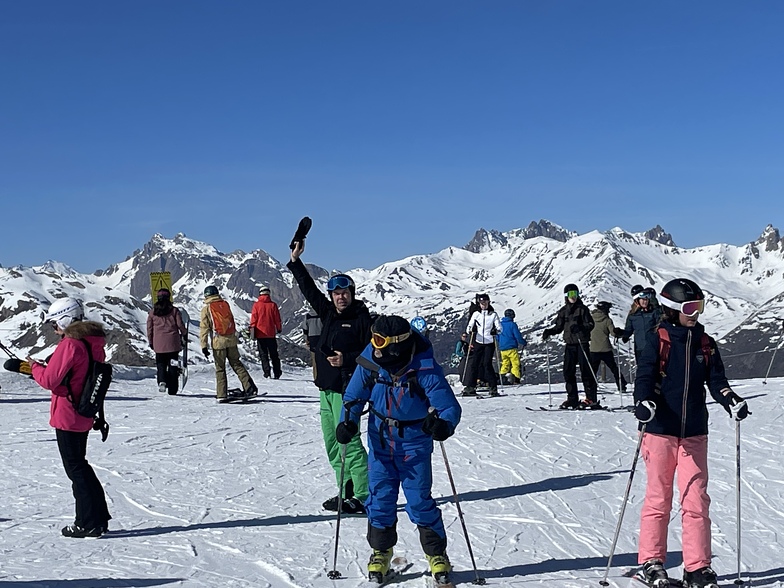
(91, 509)
(480, 364)
(574, 355)
(168, 373)
(268, 352)
(597, 357)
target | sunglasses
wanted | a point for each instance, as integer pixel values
(335, 282)
(379, 341)
(690, 308)
(573, 294)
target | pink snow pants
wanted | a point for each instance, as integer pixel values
(663, 456)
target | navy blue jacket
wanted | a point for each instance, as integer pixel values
(640, 324)
(680, 402)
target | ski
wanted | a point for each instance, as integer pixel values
(559, 409)
(633, 573)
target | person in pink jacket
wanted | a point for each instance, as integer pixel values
(264, 327)
(165, 334)
(70, 360)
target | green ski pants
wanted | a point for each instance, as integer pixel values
(331, 404)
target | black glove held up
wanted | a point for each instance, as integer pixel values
(345, 431)
(437, 428)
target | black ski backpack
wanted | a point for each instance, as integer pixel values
(96, 385)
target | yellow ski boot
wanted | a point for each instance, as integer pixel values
(440, 569)
(378, 566)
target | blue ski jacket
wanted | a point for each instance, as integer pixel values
(399, 405)
(640, 324)
(510, 337)
(679, 392)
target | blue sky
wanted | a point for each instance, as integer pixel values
(399, 127)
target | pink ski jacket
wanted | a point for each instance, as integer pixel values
(70, 355)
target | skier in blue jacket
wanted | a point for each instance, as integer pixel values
(509, 340)
(411, 404)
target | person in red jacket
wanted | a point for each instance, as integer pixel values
(70, 358)
(264, 326)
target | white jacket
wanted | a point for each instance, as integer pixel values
(484, 322)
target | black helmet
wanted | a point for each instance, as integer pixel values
(650, 291)
(682, 290)
(210, 291)
(571, 287)
(636, 289)
(480, 297)
(509, 313)
(604, 305)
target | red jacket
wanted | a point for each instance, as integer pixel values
(265, 318)
(70, 355)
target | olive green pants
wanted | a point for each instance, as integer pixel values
(232, 354)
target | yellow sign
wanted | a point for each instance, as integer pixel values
(158, 281)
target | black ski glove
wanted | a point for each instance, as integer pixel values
(625, 338)
(618, 332)
(437, 428)
(546, 334)
(645, 410)
(206, 352)
(736, 406)
(345, 431)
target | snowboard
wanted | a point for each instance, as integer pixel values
(186, 319)
(238, 396)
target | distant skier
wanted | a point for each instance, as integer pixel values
(217, 324)
(678, 360)
(265, 325)
(601, 348)
(509, 341)
(311, 328)
(482, 328)
(344, 334)
(642, 319)
(574, 320)
(165, 334)
(411, 404)
(69, 363)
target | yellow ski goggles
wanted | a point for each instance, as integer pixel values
(380, 341)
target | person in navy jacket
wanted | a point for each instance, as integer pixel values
(410, 405)
(677, 362)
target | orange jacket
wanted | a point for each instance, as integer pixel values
(265, 318)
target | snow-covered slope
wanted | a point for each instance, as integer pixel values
(228, 496)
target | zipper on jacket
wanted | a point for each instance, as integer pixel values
(686, 384)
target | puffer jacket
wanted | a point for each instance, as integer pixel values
(404, 399)
(70, 356)
(640, 324)
(483, 326)
(679, 395)
(347, 332)
(206, 332)
(574, 313)
(603, 328)
(510, 336)
(165, 332)
(265, 318)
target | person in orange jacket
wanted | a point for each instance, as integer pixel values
(265, 324)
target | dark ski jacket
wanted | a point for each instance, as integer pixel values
(640, 323)
(575, 313)
(347, 332)
(398, 406)
(679, 393)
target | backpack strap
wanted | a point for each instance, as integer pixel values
(665, 345)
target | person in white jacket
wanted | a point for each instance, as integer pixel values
(482, 328)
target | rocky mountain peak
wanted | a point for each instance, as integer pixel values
(657, 234)
(485, 241)
(545, 228)
(770, 238)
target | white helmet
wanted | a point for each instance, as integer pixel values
(64, 311)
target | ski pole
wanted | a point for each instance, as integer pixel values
(477, 580)
(498, 360)
(604, 581)
(549, 384)
(738, 581)
(334, 574)
(8, 351)
(467, 357)
(770, 365)
(590, 367)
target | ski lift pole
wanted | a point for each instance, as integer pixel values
(770, 365)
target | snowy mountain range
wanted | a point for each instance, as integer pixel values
(524, 269)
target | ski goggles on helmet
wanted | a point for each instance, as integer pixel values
(644, 295)
(380, 341)
(343, 282)
(689, 308)
(573, 294)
